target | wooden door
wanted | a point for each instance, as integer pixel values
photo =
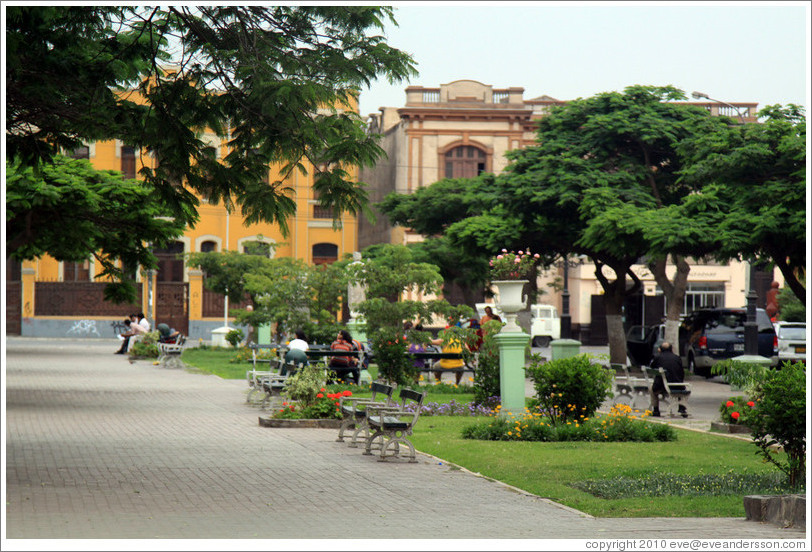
(172, 305)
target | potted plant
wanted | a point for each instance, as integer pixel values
(509, 272)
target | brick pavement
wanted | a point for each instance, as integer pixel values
(98, 448)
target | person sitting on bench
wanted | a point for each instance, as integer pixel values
(674, 373)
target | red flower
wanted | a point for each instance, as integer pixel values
(751, 404)
(320, 396)
(292, 407)
(347, 393)
(729, 403)
(735, 415)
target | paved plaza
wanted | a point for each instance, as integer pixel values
(101, 448)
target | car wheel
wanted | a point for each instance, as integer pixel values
(541, 341)
(692, 368)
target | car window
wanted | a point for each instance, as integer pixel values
(725, 322)
(791, 332)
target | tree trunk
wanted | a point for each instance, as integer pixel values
(674, 292)
(614, 295)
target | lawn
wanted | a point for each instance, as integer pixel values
(553, 470)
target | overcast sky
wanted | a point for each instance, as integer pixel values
(734, 52)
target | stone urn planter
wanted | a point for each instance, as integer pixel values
(511, 301)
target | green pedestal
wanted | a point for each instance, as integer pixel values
(357, 329)
(264, 334)
(565, 348)
(511, 371)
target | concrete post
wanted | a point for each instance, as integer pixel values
(511, 371)
(565, 348)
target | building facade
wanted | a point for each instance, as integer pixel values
(464, 128)
(49, 298)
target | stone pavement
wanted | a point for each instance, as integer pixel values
(99, 448)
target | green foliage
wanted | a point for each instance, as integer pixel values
(736, 410)
(616, 427)
(790, 308)
(235, 337)
(324, 406)
(744, 375)
(392, 358)
(284, 291)
(569, 388)
(779, 419)
(669, 484)
(284, 76)
(487, 386)
(305, 384)
(146, 347)
(70, 210)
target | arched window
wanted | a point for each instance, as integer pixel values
(324, 253)
(464, 162)
(208, 246)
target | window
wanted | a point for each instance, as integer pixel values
(703, 295)
(82, 152)
(75, 272)
(208, 247)
(324, 253)
(170, 262)
(128, 161)
(464, 162)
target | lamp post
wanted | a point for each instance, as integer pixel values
(750, 326)
(566, 320)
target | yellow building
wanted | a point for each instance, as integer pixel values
(48, 298)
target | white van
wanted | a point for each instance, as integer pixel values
(545, 325)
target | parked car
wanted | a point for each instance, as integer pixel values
(791, 341)
(545, 325)
(707, 336)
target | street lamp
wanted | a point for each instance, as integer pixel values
(698, 95)
(750, 326)
(566, 320)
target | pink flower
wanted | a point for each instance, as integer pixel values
(517, 260)
(536, 256)
(503, 251)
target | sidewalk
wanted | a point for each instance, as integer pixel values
(98, 448)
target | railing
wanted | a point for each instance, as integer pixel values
(78, 299)
(501, 97)
(214, 304)
(431, 96)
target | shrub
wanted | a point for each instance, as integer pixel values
(736, 410)
(395, 365)
(569, 388)
(146, 347)
(619, 425)
(743, 375)
(779, 419)
(235, 337)
(305, 384)
(486, 377)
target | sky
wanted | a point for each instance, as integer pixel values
(732, 51)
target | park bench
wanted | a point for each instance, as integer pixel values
(257, 347)
(433, 356)
(391, 426)
(274, 384)
(622, 388)
(674, 395)
(169, 353)
(256, 377)
(354, 411)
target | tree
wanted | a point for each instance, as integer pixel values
(70, 210)
(387, 272)
(276, 84)
(602, 181)
(754, 178)
(284, 291)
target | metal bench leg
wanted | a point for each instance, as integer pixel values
(346, 424)
(371, 440)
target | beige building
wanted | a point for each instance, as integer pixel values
(465, 127)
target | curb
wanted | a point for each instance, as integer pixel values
(267, 421)
(781, 510)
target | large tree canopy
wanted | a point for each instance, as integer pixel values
(71, 211)
(275, 84)
(753, 180)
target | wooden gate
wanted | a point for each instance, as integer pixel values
(172, 305)
(14, 304)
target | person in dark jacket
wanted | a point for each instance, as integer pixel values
(674, 373)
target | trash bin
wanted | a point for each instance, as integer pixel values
(565, 348)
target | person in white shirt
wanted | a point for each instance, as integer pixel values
(296, 349)
(133, 330)
(142, 321)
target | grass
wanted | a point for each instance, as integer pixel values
(699, 475)
(556, 470)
